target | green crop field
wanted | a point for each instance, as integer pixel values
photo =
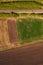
(21, 5)
(29, 29)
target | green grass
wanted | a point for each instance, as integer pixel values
(5, 15)
(29, 29)
(31, 14)
(36, 14)
(40, 1)
(20, 5)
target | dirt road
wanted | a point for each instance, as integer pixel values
(22, 11)
(28, 55)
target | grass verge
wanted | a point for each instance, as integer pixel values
(21, 5)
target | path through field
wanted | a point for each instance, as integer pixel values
(22, 11)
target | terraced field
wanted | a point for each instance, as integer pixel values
(21, 5)
(15, 32)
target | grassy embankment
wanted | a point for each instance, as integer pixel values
(21, 5)
(5, 15)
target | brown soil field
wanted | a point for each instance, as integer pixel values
(2, 19)
(8, 33)
(27, 55)
(12, 31)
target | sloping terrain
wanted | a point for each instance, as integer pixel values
(28, 55)
(41, 1)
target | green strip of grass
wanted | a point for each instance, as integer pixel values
(29, 29)
(20, 5)
(20, 14)
(9, 15)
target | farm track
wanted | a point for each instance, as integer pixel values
(21, 11)
(27, 55)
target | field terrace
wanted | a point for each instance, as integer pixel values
(21, 30)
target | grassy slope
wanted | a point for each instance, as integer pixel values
(5, 15)
(41, 1)
(20, 5)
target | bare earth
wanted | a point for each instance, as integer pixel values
(22, 11)
(28, 55)
(8, 33)
(12, 31)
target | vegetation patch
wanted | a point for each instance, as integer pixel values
(5, 15)
(30, 29)
(20, 5)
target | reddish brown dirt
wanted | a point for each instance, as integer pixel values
(28, 55)
(2, 19)
(12, 31)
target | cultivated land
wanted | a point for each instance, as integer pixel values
(28, 55)
(21, 5)
(8, 34)
(29, 29)
(17, 30)
(26, 28)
